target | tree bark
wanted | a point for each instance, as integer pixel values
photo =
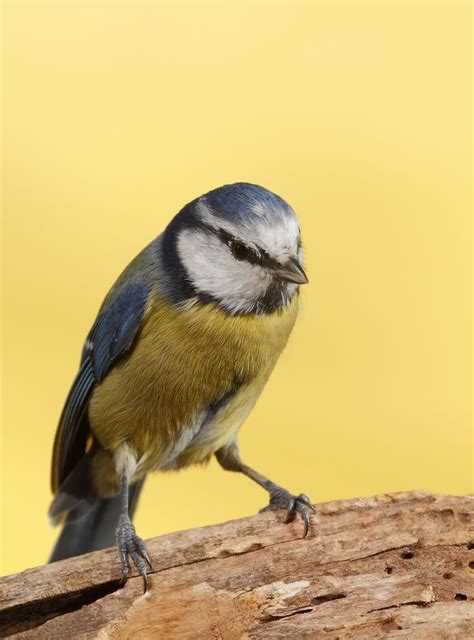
(393, 566)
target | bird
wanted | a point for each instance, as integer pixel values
(179, 353)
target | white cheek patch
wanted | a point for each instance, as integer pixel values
(213, 270)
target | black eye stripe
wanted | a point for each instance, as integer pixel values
(241, 251)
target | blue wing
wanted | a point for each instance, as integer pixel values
(111, 336)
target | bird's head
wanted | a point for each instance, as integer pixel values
(238, 246)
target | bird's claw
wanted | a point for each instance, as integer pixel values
(282, 499)
(129, 544)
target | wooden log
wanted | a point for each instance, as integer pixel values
(393, 566)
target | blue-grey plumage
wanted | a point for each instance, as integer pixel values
(180, 351)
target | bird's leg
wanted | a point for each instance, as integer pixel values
(129, 544)
(229, 459)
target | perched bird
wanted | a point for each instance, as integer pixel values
(181, 349)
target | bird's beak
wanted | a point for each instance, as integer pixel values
(291, 271)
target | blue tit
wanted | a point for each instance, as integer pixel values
(181, 349)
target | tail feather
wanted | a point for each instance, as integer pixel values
(90, 524)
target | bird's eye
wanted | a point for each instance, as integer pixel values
(240, 251)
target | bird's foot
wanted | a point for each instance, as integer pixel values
(129, 544)
(282, 499)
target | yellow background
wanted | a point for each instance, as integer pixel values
(118, 113)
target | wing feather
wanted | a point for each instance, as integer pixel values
(111, 336)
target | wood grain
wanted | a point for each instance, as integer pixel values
(392, 566)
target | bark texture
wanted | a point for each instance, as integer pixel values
(392, 566)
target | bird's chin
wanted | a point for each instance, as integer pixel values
(284, 286)
(288, 291)
(291, 288)
(277, 296)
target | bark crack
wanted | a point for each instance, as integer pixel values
(417, 603)
(32, 615)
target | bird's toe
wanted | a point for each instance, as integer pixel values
(130, 545)
(282, 499)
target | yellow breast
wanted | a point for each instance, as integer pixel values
(184, 361)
